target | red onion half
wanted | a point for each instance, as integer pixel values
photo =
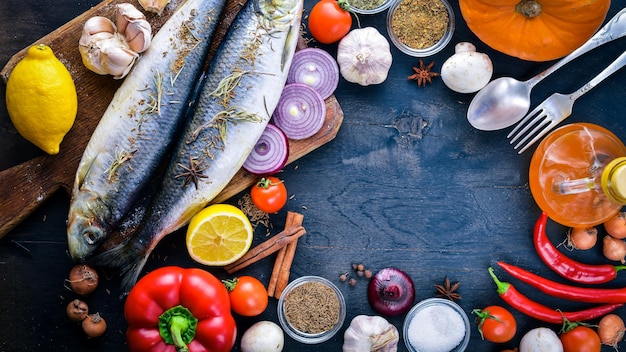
(300, 112)
(391, 292)
(316, 68)
(270, 153)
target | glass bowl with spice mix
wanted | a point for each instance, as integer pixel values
(420, 28)
(436, 324)
(311, 309)
(369, 7)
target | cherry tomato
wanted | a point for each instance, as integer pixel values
(580, 339)
(329, 20)
(248, 296)
(496, 324)
(269, 194)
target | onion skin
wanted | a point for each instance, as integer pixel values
(616, 226)
(611, 330)
(83, 279)
(391, 292)
(614, 249)
(582, 238)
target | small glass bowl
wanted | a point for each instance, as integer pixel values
(430, 302)
(307, 337)
(423, 52)
(380, 8)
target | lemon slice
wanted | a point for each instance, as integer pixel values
(219, 235)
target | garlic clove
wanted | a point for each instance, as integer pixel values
(132, 24)
(99, 24)
(155, 6)
(117, 61)
(125, 14)
(138, 35)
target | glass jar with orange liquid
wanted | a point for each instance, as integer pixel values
(577, 175)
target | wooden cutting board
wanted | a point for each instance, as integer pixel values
(24, 187)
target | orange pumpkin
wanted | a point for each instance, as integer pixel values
(534, 30)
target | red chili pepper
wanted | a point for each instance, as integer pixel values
(579, 294)
(568, 267)
(177, 309)
(544, 313)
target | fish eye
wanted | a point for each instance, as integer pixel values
(91, 237)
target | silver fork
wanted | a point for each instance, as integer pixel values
(555, 109)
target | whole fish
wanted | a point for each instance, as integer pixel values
(139, 125)
(243, 84)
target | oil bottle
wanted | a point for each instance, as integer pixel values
(577, 175)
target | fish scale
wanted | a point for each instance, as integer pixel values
(242, 87)
(139, 125)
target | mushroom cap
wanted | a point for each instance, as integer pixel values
(467, 71)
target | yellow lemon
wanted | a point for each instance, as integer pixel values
(41, 98)
(219, 235)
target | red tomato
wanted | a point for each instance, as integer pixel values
(581, 339)
(329, 21)
(269, 194)
(496, 324)
(248, 296)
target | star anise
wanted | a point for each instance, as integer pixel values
(448, 290)
(423, 74)
(193, 172)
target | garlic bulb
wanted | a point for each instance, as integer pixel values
(364, 57)
(155, 6)
(370, 333)
(109, 48)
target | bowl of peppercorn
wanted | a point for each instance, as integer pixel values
(369, 7)
(311, 309)
(420, 28)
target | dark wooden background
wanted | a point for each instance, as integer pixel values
(406, 183)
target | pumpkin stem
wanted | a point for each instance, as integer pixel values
(528, 8)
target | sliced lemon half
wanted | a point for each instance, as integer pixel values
(219, 235)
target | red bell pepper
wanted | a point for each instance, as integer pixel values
(176, 309)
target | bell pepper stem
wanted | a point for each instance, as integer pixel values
(177, 327)
(501, 286)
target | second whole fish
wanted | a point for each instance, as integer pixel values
(139, 126)
(243, 84)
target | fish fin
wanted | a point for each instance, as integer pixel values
(127, 259)
(290, 47)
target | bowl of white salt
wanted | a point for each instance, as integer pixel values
(436, 325)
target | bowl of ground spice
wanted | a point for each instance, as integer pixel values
(369, 7)
(420, 28)
(311, 309)
(436, 325)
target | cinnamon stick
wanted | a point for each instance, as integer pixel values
(285, 269)
(293, 219)
(266, 248)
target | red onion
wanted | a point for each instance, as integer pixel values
(391, 292)
(300, 112)
(317, 68)
(270, 153)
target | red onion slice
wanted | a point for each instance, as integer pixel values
(270, 153)
(317, 68)
(300, 112)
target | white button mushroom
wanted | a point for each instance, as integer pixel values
(466, 71)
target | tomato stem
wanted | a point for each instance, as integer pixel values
(230, 284)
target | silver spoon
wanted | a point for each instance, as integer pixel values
(505, 101)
